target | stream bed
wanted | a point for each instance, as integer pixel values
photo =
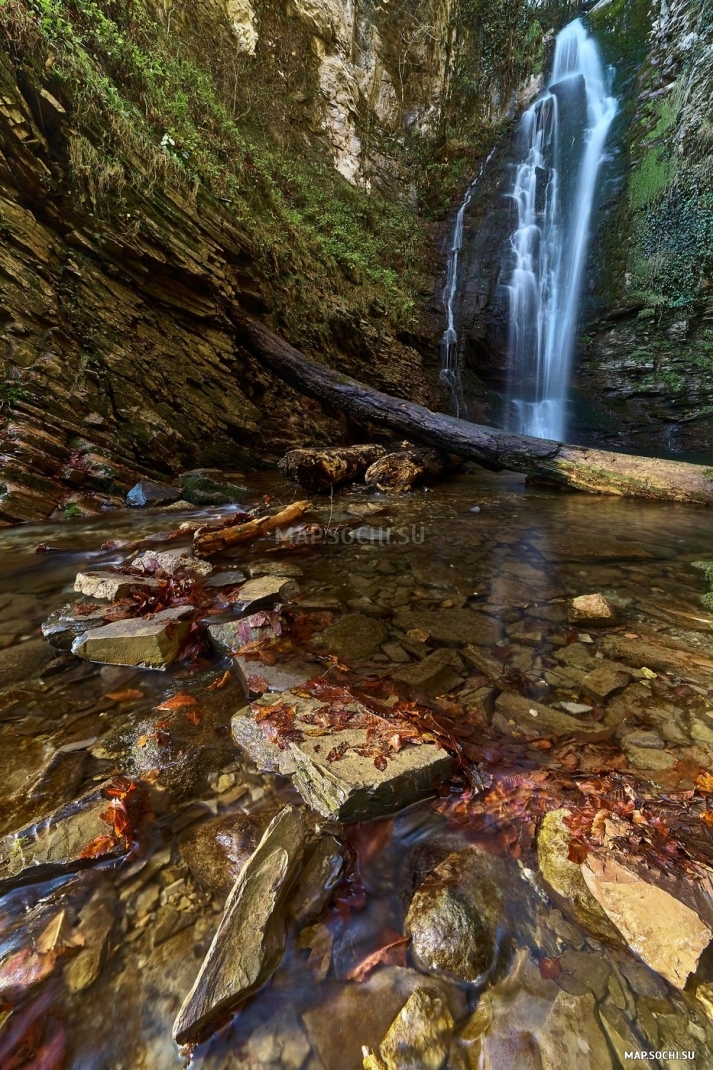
(97, 959)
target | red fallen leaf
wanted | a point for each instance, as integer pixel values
(177, 702)
(194, 717)
(380, 762)
(101, 845)
(25, 969)
(166, 723)
(577, 852)
(221, 682)
(549, 969)
(258, 685)
(338, 752)
(116, 816)
(162, 738)
(121, 788)
(129, 694)
(152, 776)
(391, 954)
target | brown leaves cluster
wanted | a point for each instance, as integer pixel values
(389, 725)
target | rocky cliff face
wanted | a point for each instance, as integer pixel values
(164, 164)
(645, 373)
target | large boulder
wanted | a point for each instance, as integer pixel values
(453, 916)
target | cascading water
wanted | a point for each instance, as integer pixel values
(450, 361)
(565, 132)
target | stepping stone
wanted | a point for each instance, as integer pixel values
(68, 839)
(111, 586)
(592, 609)
(170, 562)
(348, 787)
(149, 643)
(266, 591)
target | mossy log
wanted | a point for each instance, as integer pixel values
(407, 468)
(321, 469)
(574, 467)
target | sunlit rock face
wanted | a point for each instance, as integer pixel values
(242, 20)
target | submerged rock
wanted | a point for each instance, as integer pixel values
(274, 568)
(592, 609)
(147, 642)
(565, 877)
(73, 836)
(111, 586)
(357, 1016)
(605, 680)
(433, 675)
(250, 941)
(455, 626)
(419, 1037)
(530, 1024)
(326, 769)
(24, 661)
(355, 636)
(215, 851)
(518, 716)
(450, 933)
(147, 493)
(665, 933)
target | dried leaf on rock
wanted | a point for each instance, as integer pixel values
(194, 716)
(220, 682)
(177, 702)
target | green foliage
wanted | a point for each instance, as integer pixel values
(70, 510)
(10, 393)
(150, 108)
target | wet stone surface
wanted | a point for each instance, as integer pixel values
(544, 902)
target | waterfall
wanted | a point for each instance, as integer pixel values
(450, 361)
(564, 134)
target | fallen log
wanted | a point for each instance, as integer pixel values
(212, 542)
(406, 468)
(574, 467)
(321, 469)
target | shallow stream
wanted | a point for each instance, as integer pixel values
(94, 965)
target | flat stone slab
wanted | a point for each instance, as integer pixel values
(451, 625)
(169, 562)
(266, 591)
(111, 586)
(665, 933)
(73, 836)
(274, 568)
(326, 768)
(149, 643)
(250, 941)
(64, 625)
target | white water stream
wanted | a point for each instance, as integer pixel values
(450, 358)
(564, 133)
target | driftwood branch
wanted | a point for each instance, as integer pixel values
(212, 542)
(575, 467)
